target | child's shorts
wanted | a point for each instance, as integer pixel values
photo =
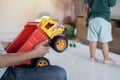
(99, 30)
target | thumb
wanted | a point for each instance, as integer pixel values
(44, 42)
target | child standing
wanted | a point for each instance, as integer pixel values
(99, 26)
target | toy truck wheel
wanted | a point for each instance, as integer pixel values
(72, 45)
(59, 43)
(39, 62)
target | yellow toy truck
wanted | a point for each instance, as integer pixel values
(35, 32)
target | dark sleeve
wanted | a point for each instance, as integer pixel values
(86, 1)
(112, 3)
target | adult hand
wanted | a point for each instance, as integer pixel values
(42, 48)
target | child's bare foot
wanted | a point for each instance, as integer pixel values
(92, 59)
(109, 61)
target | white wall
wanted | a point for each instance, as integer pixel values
(116, 9)
(14, 14)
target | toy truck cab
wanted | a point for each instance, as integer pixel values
(51, 27)
(55, 33)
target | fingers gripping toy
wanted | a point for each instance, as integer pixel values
(35, 32)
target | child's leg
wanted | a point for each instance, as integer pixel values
(92, 46)
(105, 50)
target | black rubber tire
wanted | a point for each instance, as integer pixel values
(40, 62)
(55, 41)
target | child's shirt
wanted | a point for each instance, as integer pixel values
(100, 8)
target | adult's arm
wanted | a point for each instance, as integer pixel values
(16, 58)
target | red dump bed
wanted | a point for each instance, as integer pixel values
(27, 39)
